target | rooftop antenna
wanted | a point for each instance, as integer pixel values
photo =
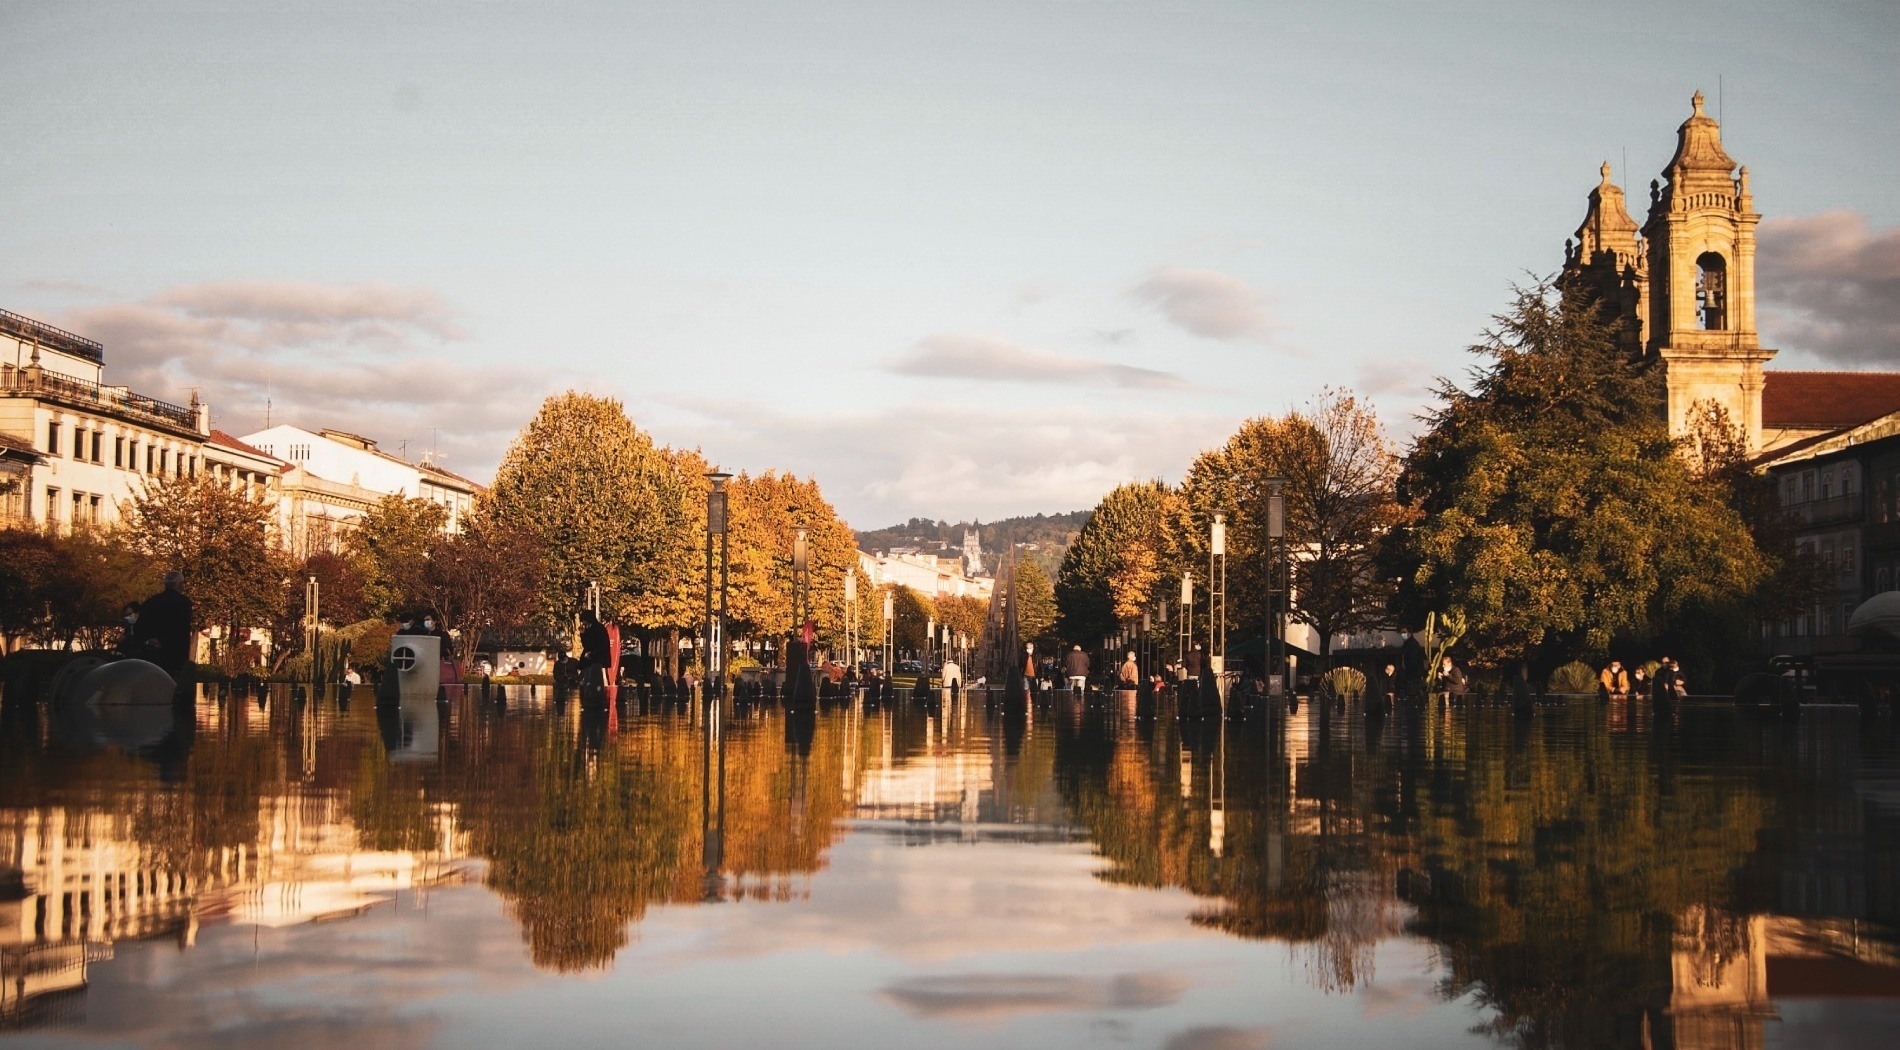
(405, 449)
(1719, 118)
(266, 411)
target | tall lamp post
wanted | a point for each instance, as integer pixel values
(716, 614)
(1187, 615)
(801, 581)
(1217, 595)
(851, 616)
(890, 634)
(1275, 636)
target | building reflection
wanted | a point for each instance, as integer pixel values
(1584, 876)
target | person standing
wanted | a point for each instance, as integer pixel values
(1076, 666)
(1128, 676)
(164, 627)
(594, 654)
(1411, 664)
(1191, 665)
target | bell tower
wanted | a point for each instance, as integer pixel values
(1607, 257)
(1700, 235)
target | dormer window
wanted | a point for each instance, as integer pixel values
(1711, 292)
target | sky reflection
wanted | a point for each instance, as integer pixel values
(1065, 876)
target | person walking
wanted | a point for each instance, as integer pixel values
(164, 627)
(594, 654)
(1128, 676)
(1076, 666)
(1191, 665)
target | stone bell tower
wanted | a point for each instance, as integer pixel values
(1607, 256)
(1700, 236)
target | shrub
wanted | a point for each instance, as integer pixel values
(1345, 681)
(1573, 677)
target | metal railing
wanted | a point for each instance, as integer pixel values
(90, 395)
(1829, 510)
(27, 329)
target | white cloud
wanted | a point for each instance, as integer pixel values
(366, 358)
(959, 356)
(954, 460)
(1207, 303)
(1830, 284)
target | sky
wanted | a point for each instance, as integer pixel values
(954, 261)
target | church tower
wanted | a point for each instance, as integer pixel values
(1608, 257)
(1700, 236)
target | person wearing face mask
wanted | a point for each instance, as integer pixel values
(129, 641)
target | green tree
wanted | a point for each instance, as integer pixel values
(69, 588)
(1554, 509)
(219, 537)
(1114, 567)
(602, 504)
(1036, 610)
(390, 548)
(913, 610)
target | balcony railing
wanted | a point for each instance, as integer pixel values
(1830, 511)
(27, 329)
(106, 398)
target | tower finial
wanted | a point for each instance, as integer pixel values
(1606, 172)
(1698, 104)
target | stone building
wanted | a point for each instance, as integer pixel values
(1682, 284)
(92, 445)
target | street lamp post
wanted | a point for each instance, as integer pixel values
(851, 616)
(1275, 636)
(1187, 615)
(1217, 595)
(716, 614)
(890, 634)
(801, 581)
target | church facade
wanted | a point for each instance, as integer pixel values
(1682, 285)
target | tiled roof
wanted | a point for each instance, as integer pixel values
(1826, 400)
(219, 437)
(8, 443)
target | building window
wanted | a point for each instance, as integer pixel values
(118, 452)
(1847, 556)
(93, 505)
(151, 458)
(1827, 484)
(52, 504)
(52, 439)
(1711, 292)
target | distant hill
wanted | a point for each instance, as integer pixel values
(1050, 533)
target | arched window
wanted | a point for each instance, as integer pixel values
(1711, 291)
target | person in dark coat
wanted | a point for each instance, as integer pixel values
(1411, 665)
(1076, 666)
(129, 641)
(594, 655)
(164, 627)
(1191, 665)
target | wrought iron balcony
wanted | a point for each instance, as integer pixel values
(115, 400)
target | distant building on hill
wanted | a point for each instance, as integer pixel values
(930, 574)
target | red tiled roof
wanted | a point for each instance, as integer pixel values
(1826, 400)
(9, 443)
(219, 437)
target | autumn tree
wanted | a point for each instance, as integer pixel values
(1554, 508)
(390, 549)
(1114, 568)
(1036, 610)
(340, 599)
(912, 611)
(219, 537)
(483, 579)
(69, 587)
(965, 614)
(1341, 503)
(599, 501)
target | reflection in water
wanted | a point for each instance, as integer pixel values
(1587, 876)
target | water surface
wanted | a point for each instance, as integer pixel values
(283, 872)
